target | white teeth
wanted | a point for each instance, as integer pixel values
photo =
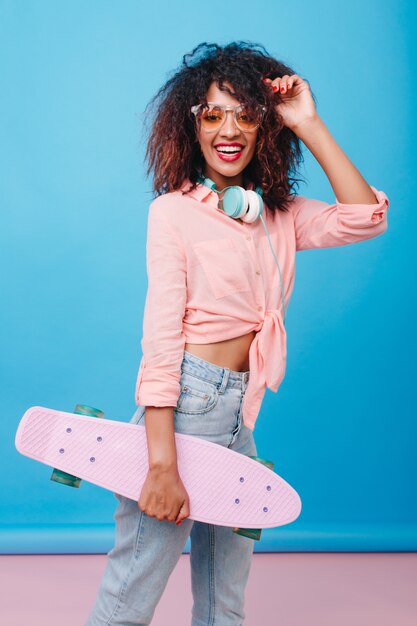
(229, 150)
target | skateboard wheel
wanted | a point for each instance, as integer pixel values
(65, 479)
(68, 479)
(85, 409)
(254, 533)
(269, 464)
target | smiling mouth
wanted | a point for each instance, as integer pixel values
(229, 149)
(229, 153)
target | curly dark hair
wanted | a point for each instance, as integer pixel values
(173, 151)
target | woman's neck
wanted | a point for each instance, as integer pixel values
(228, 181)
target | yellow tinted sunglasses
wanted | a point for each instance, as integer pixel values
(212, 116)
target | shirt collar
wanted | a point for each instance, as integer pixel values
(200, 193)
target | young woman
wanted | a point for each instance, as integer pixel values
(219, 280)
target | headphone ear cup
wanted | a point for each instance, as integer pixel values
(235, 202)
(256, 206)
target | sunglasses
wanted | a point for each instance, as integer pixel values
(212, 116)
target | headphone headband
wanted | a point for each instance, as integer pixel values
(205, 180)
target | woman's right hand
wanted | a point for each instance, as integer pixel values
(164, 496)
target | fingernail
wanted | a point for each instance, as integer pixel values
(275, 88)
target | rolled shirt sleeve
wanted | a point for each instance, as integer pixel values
(321, 225)
(158, 381)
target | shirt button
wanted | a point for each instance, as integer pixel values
(259, 308)
(258, 272)
(248, 237)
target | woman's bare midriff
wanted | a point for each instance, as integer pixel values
(231, 353)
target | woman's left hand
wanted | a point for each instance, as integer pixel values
(296, 102)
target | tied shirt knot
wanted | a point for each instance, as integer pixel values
(267, 363)
(268, 351)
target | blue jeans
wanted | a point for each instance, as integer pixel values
(146, 550)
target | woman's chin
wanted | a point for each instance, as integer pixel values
(229, 170)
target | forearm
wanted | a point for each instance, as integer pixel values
(347, 182)
(159, 424)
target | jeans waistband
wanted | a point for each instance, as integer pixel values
(221, 376)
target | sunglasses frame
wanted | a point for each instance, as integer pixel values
(225, 108)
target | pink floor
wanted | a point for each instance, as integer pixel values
(284, 589)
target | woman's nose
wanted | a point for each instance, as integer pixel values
(229, 128)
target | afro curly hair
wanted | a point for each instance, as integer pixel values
(173, 151)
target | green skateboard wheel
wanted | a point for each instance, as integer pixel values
(85, 409)
(254, 533)
(68, 479)
(269, 464)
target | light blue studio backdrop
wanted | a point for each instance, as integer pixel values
(75, 79)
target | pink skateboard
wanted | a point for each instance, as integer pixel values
(225, 487)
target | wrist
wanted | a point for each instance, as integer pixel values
(163, 467)
(307, 125)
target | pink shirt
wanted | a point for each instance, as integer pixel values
(211, 278)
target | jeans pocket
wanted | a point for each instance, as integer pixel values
(197, 396)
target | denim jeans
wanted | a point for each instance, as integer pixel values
(146, 550)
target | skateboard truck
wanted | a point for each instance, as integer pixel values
(254, 533)
(68, 479)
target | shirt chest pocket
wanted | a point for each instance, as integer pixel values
(224, 264)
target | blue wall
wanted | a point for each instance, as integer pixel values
(75, 79)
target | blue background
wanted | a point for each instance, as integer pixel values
(75, 79)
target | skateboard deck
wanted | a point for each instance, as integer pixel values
(225, 487)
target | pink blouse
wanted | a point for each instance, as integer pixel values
(211, 278)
